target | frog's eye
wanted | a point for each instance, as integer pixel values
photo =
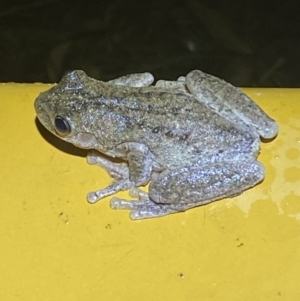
(62, 126)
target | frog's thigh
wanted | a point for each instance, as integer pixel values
(203, 183)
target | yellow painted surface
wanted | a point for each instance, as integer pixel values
(56, 246)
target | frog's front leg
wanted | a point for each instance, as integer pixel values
(118, 171)
(115, 170)
(140, 162)
(191, 186)
(136, 173)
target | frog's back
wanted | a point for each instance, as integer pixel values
(176, 126)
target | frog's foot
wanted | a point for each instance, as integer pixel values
(174, 85)
(134, 80)
(117, 186)
(115, 170)
(143, 207)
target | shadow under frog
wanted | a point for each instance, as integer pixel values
(195, 140)
(59, 143)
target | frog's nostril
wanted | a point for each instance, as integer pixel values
(62, 127)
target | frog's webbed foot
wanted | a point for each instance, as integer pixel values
(141, 208)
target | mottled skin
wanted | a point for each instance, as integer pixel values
(195, 140)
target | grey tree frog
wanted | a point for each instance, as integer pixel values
(194, 140)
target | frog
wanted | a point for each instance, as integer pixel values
(193, 140)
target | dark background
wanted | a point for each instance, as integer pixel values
(249, 43)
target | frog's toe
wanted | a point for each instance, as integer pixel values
(141, 209)
(91, 160)
(138, 214)
(136, 192)
(150, 210)
(138, 209)
(116, 203)
(92, 197)
(142, 213)
(92, 157)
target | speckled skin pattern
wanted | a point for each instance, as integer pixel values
(195, 140)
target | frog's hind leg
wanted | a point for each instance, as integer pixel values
(230, 102)
(146, 208)
(191, 186)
